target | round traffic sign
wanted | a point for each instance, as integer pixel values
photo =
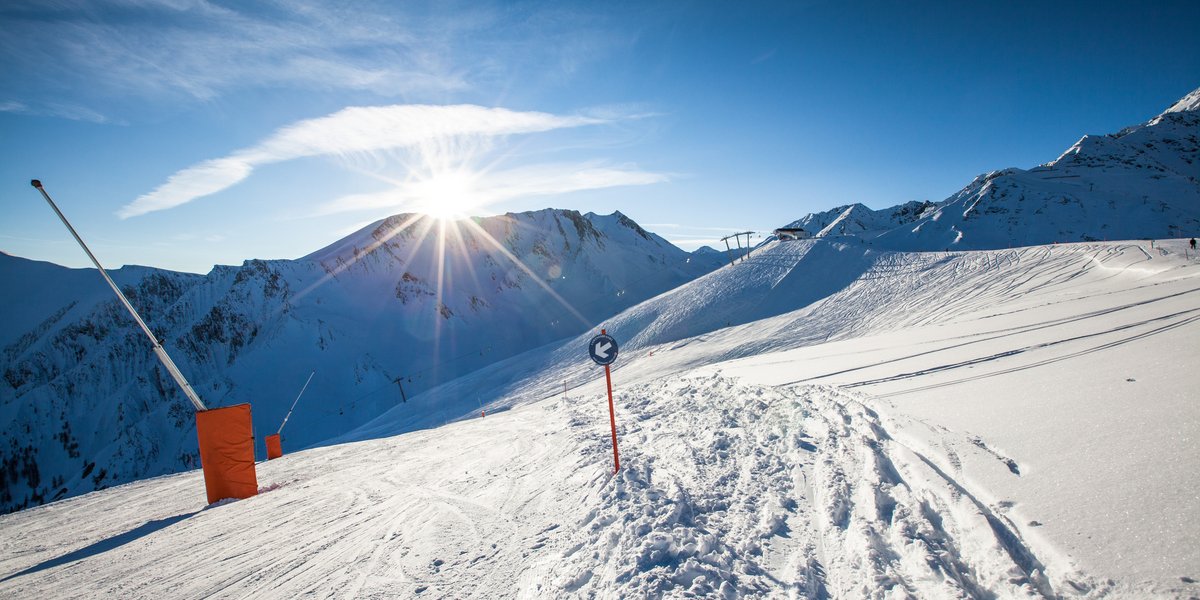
(603, 349)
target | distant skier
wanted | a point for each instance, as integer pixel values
(1193, 243)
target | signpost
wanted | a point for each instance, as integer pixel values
(603, 350)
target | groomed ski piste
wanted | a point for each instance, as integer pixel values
(821, 420)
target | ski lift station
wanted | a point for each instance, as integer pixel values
(791, 233)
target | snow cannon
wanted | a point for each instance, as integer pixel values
(274, 445)
(227, 452)
(226, 435)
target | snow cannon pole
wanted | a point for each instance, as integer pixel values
(158, 348)
(274, 444)
(226, 435)
(289, 412)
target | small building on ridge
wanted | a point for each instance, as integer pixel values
(791, 233)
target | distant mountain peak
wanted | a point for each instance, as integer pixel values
(1140, 182)
(858, 220)
(1189, 102)
(403, 297)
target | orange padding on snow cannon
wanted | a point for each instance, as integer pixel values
(227, 452)
(274, 448)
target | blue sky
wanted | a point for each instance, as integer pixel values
(181, 133)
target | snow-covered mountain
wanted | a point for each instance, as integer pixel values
(1142, 182)
(1013, 376)
(860, 221)
(396, 308)
(999, 424)
(827, 418)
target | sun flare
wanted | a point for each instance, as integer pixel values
(448, 195)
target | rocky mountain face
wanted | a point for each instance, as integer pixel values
(400, 306)
(858, 220)
(1141, 182)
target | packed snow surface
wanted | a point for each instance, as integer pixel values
(823, 419)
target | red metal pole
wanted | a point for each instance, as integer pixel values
(612, 416)
(612, 419)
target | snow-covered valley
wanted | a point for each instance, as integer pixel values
(1007, 423)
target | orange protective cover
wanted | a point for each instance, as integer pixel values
(227, 452)
(274, 448)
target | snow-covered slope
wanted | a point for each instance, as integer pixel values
(997, 368)
(1140, 183)
(1009, 424)
(398, 307)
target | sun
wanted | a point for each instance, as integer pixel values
(447, 195)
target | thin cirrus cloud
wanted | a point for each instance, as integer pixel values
(53, 109)
(495, 186)
(352, 131)
(107, 51)
(115, 58)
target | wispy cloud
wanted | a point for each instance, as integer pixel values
(765, 56)
(359, 130)
(495, 186)
(86, 49)
(54, 109)
(92, 52)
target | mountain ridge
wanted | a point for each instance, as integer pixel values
(1141, 182)
(398, 306)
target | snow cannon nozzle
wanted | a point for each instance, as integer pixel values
(36, 183)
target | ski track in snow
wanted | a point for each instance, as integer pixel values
(728, 489)
(391, 525)
(732, 490)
